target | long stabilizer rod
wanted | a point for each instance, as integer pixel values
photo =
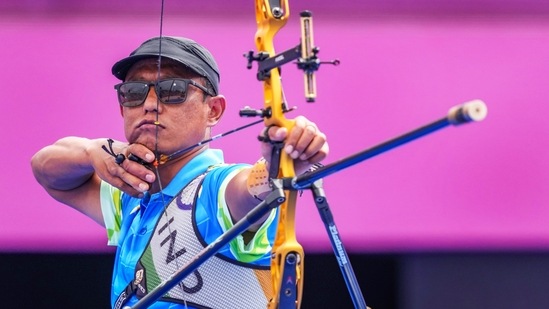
(472, 111)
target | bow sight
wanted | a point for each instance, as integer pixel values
(305, 55)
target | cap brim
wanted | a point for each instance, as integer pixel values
(121, 68)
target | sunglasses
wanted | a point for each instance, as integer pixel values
(168, 91)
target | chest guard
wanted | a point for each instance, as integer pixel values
(220, 282)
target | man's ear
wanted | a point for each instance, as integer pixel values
(121, 110)
(217, 108)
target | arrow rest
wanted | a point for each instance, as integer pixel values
(263, 113)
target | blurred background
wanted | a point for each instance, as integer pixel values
(457, 219)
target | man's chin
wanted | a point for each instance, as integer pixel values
(150, 143)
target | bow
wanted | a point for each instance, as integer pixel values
(287, 259)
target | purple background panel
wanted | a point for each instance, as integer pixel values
(481, 186)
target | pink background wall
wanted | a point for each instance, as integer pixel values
(476, 187)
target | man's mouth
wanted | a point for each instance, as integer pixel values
(145, 124)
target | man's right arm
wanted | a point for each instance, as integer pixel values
(66, 170)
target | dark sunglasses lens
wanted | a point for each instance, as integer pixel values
(172, 91)
(132, 94)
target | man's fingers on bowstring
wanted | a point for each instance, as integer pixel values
(128, 181)
(139, 171)
(118, 177)
(137, 156)
(130, 176)
(140, 153)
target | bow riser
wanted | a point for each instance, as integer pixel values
(287, 265)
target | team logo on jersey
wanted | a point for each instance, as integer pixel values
(138, 277)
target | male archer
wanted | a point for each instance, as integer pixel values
(160, 214)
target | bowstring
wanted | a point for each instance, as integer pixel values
(157, 122)
(156, 163)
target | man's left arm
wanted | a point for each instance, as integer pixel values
(305, 144)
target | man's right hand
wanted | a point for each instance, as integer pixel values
(130, 176)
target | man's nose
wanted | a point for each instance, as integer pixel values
(151, 101)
